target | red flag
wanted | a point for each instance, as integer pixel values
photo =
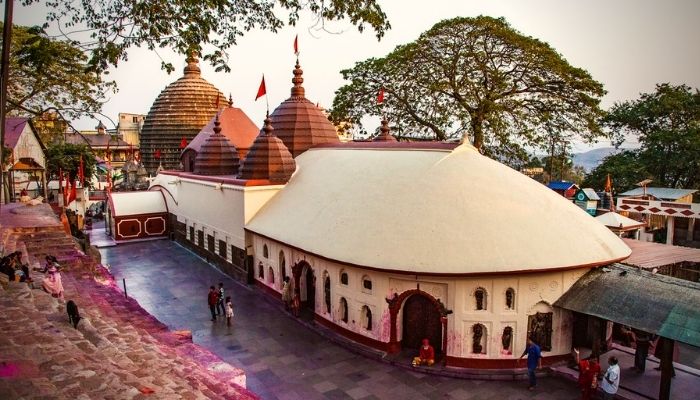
(261, 90)
(380, 96)
(73, 193)
(296, 45)
(81, 172)
(157, 154)
(183, 143)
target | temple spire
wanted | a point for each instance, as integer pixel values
(298, 89)
(384, 133)
(192, 67)
(267, 128)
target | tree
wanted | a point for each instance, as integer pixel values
(667, 124)
(48, 74)
(476, 77)
(625, 170)
(113, 26)
(65, 157)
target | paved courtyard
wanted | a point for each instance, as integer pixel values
(282, 358)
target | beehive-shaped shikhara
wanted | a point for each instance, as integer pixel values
(299, 123)
(180, 111)
(217, 156)
(268, 158)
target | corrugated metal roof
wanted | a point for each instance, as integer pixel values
(655, 303)
(649, 255)
(660, 193)
(591, 194)
(560, 185)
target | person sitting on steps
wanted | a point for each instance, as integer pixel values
(426, 355)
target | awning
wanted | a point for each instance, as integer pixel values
(654, 303)
(650, 255)
(26, 164)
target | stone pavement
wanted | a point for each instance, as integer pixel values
(283, 359)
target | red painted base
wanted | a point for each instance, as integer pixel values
(499, 363)
(354, 336)
(270, 291)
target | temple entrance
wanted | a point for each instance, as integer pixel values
(421, 319)
(310, 302)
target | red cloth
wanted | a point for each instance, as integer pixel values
(587, 370)
(213, 298)
(427, 354)
(261, 90)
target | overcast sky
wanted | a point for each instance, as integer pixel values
(627, 45)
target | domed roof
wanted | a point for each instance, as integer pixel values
(430, 211)
(216, 156)
(299, 123)
(180, 111)
(236, 126)
(384, 133)
(268, 158)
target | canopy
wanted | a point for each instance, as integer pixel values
(658, 304)
(137, 203)
(619, 222)
(650, 255)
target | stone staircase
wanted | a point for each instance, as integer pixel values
(119, 351)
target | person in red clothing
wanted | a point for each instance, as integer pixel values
(212, 299)
(589, 369)
(426, 355)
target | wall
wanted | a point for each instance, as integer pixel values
(534, 293)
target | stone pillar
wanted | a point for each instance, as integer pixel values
(670, 227)
(691, 228)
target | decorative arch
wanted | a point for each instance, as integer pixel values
(282, 266)
(510, 299)
(395, 304)
(270, 276)
(479, 339)
(480, 299)
(344, 278)
(327, 291)
(344, 312)
(366, 318)
(261, 270)
(266, 253)
(540, 323)
(301, 271)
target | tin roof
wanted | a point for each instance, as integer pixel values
(659, 193)
(650, 255)
(591, 194)
(658, 304)
(13, 130)
(560, 185)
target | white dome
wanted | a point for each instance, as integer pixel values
(431, 212)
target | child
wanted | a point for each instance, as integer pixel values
(229, 310)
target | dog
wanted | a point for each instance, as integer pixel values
(73, 314)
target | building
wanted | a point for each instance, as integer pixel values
(129, 128)
(587, 199)
(566, 189)
(27, 162)
(107, 146)
(386, 242)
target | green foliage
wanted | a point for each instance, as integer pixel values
(187, 26)
(51, 74)
(66, 157)
(667, 125)
(624, 168)
(476, 77)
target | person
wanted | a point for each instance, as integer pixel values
(426, 355)
(534, 361)
(641, 351)
(52, 284)
(588, 371)
(220, 310)
(229, 310)
(286, 295)
(296, 305)
(212, 299)
(611, 379)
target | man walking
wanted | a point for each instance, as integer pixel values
(611, 380)
(220, 310)
(212, 299)
(534, 361)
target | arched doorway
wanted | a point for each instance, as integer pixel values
(310, 282)
(421, 319)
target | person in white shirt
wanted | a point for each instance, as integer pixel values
(611, 379)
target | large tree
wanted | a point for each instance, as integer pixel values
(65, 158)
(107, 28)
(667, 125)
(478, 78)
(49, 74)
(625, 170)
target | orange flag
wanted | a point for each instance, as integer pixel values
(261, 90)
(608, 184)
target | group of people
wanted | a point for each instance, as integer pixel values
(220, 305)
(12, 266)
(590, 377)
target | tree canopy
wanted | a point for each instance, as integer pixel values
(65, 157)
(48, 74)
(667, 125)
(113, 26)
(477, 78)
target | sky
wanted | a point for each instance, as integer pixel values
(628, 45)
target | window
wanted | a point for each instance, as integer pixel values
(366, 283)
(510, 299)
(210, 243)
(539, 328)
(270, 276)
(192, 233)
(478, 339)
(261, 271)
(327, 292)
(343, 309)
(265, 252)
(222, 249)
(480, 298)
(507, 340)
(135, 119)
(367, 318)
(200, 238)
(282, 265)
(344, 278)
